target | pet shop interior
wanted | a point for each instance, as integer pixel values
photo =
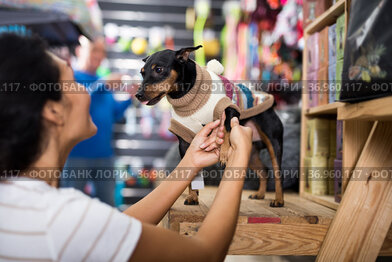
(324, 63)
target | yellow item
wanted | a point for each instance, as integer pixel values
(139, 46)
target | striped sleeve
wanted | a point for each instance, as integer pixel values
(89, 230)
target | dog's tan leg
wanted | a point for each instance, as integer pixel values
(193, 197)
(256, 165)
(278, 202)
(224, 149)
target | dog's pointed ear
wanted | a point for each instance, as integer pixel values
(145, 59)
(182, 55)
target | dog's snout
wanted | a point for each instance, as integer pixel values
(139, 95)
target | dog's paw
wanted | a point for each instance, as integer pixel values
(224, 150)
(276, 203)
(191, 201)
(257, 195)
(223, 156)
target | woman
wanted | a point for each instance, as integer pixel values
(38, 222)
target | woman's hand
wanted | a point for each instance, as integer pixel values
(240, 139)
(204, 149)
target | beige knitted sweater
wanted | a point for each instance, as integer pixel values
(208, 98)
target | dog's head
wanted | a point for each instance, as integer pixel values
(160, 73)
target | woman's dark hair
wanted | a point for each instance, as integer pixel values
(24, 66)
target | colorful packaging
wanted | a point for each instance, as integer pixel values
(307, 165)
(318, 175)
(309, 11)
(332, 156)
(330, 178)
(340, 37)
(332, 138)
(322, 81)
(313, 52)
(322, 6)
(338, 81)
(338, 180)
(339, 139)
(323, 47)
(332, 44)
(331, 83)
(317, 137)
(367, 62)
(311, 84)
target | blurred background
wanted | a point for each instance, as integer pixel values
(260, 40)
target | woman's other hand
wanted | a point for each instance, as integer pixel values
(240, 140)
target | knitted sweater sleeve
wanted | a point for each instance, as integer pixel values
(222, 104)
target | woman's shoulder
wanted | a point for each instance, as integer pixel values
(75, 225)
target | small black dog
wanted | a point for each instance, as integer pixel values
(172, 73)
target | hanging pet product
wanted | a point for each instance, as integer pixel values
(231, 12)
(111, 33)
(202, 8)
(367, 65)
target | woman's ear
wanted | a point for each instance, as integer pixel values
(78, 50)
(54, 113)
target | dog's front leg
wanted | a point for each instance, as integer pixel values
(224, 150)
(192, 198)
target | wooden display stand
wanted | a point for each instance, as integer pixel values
(298, 228)
(357, 229)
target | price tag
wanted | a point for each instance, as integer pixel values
(198, 182)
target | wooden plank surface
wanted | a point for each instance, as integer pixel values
(271, 239)
(295, 209)
(296, 229)
(372, 110)
(355, 135)
(386, 249)
(327, 200)
(360, 227)
(328, 109)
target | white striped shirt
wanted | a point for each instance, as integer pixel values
(42, 223)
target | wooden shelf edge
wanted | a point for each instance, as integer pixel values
(328, 201)
(329, 109)
(372, 110)
(327, 18)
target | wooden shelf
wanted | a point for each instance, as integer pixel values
(361, 228)
(329, 109)
(328, 201)
(372, 110)
(327, 18)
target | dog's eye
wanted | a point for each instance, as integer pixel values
(158, 69)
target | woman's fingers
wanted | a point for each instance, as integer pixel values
(208, 142)
(214, 132)
(206, 130)
(234, 122)
(212, 139)
(211, 147)
(221, 134)
(222, 122)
